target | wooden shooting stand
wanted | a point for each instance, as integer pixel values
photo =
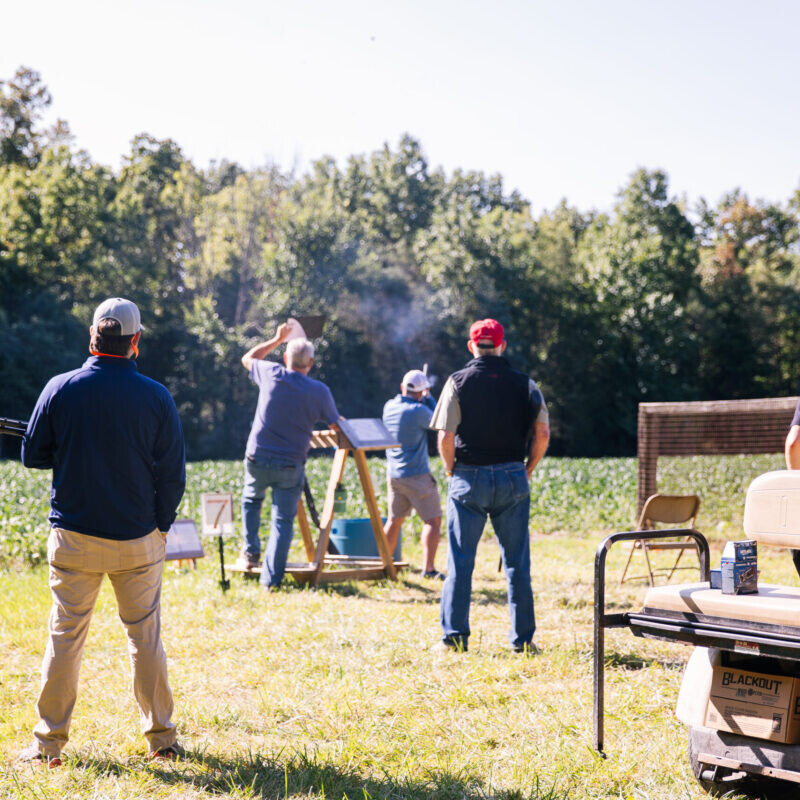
(321, 566)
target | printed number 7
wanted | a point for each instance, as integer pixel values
(222, 505)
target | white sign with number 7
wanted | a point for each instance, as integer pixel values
(217, 513)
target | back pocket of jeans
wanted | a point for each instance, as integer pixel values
(461, 483)
(290, 476)
(519, 483)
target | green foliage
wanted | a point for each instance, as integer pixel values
(649, 302)
(640, 267)
(23, 100)
(24, 506)
(573, 496)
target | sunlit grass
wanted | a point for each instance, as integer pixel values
(336, 692)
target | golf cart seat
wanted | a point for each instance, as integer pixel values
(762, 624)
(773, 606)
(771, 517)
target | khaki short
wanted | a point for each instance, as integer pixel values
(418, 492)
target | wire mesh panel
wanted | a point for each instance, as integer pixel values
(719, 427)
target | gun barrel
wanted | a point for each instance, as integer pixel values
(13, 427)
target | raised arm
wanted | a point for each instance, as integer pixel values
(265, 348)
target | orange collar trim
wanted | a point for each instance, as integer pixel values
(107, 355)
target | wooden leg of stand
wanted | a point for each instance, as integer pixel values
(374, 514)
(305, 530)
(337, 472)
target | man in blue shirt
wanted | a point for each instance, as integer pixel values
(289, 405)
(409, 479)
(114, 442)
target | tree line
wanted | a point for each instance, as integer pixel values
(654, 300)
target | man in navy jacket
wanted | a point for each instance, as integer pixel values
(114, 442)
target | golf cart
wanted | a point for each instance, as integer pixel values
(748, 737)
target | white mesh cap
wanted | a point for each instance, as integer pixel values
(123, 311)
(416, 380)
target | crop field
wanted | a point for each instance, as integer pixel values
(337, 692)
(574, 496)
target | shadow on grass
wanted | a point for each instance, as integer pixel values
(633, 662)
(343, 589)
(418, 591)
(353, 589)
(425, 591)
(490, 594)
(258, 776)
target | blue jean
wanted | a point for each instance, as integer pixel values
(286, 480)
(501, 492)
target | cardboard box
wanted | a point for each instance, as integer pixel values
(739, 568)
(755, 704)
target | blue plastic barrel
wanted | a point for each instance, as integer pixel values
(354, 537)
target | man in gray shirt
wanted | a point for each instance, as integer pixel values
(289, 405)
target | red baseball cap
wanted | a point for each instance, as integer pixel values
(485, 329)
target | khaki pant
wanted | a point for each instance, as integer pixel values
(77, 565)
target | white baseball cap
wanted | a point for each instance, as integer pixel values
(123, 311)
(416, 380)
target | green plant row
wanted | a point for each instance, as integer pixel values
(572, 496)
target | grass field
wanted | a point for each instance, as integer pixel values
(336, 693)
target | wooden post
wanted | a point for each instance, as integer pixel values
(337, 472)
(647, 452)
(374, 514)
(305, 530)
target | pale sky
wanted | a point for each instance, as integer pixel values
(564, 99)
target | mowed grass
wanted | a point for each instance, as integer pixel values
(336, 692)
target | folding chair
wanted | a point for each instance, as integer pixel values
(669, 509)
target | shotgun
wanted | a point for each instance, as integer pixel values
(312, 510)
(13, 427)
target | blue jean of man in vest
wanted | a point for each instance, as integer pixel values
(501, 493)
(286, 480)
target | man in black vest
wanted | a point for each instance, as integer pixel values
(493, 431)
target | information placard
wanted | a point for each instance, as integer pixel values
(367, 434)
(217, 513)
(183, 541)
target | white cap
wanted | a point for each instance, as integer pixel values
(123, 311)
(416, 380)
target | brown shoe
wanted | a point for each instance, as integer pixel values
(32, 755)
(248, 563)
(172, 753)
